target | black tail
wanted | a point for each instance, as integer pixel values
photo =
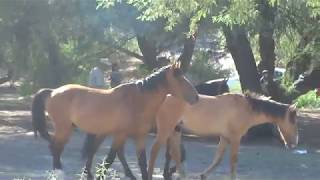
(88, 146)
(38, 113)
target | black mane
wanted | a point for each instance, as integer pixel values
(152, 81)
(268, 107)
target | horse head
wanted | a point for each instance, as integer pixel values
(179, 86)
(288, 128)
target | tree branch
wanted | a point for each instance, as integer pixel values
(188, 48)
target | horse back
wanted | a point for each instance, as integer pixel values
(217, 115)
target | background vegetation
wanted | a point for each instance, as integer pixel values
(49, 43)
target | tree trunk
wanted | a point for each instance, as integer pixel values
(56, 70)
(149, 52)
(267, 47)
(266, 41)
(186, 56)
(240, 49)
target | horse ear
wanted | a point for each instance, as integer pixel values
(293, 106)
(178, 64)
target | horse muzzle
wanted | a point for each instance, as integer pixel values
(293, 144)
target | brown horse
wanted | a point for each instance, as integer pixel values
(127, 110)
(228, 116)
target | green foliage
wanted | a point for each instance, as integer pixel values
(84, 33)
(103, 173)
(315, 7)
(237, 12)
(309, 100)
(286, 47)
(203, 69)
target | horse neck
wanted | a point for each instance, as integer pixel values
(262, 118)
(154, 98)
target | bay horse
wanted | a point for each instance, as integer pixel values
(308, 81)
(228, 116)
(211, 88)
(127, 110)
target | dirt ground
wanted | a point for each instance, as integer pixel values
(24, 157)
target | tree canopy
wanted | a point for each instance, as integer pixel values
(52, 42)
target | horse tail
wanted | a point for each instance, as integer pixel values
(38, 113)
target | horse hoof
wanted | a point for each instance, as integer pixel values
(203, 177)
(86, 174)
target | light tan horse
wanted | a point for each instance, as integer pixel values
(228, 116)
(127, 110)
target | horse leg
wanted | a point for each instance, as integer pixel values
(96, 141)
(142, 157)
(107, 162)
(161, 139)
(234, 158)
(60, 138)
(217, 158)
(166, 170)
(124, 163)
(175, 151)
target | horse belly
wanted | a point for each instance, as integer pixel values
(203, 123)
(102, 124)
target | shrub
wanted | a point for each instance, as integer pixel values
(309, 100)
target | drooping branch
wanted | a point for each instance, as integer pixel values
(119, 47)
(128, 52)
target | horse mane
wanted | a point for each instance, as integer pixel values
(152, 81)
(262, 104)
